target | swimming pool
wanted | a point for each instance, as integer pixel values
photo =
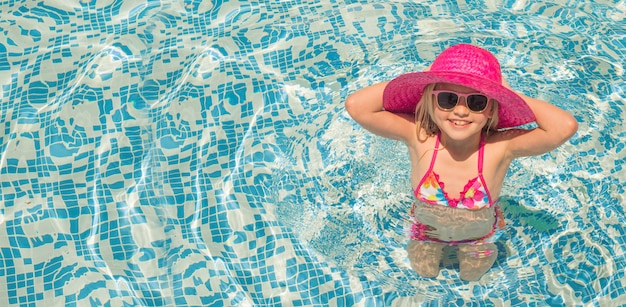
(188, 153)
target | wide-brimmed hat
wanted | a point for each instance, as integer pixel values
(465, 65)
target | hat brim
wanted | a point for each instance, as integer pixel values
(403, 93)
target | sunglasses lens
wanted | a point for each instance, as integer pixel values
(447, 100)
(477, 103)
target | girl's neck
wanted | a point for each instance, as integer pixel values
(460, 149)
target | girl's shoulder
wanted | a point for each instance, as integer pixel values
(421, 141)
(504, 135)
(504, 140)
(421, 137)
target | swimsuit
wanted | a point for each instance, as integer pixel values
(475, 196)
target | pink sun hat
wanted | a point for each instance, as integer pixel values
(465, 65)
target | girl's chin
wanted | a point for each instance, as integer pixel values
(460, 132)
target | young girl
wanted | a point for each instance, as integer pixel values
(458, 122)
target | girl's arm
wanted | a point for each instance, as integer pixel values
(366, 108)
(555, 126)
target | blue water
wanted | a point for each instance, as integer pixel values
(188, 153)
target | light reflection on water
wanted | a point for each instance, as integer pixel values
(197, 152)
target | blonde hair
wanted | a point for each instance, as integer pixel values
(425, 112)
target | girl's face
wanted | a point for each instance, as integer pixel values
(465, 118)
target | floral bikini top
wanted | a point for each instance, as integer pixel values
(474, 196)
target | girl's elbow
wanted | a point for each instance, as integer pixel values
(350, 105)
(570, 126)
(354, 107)
(562, 132)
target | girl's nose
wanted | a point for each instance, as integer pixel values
(461, 107)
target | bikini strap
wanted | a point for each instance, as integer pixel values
(481, 150)
(432, 160)
(430, 168)
(481, 154)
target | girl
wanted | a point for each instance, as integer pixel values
(458, 122)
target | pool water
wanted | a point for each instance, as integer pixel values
(197, 153)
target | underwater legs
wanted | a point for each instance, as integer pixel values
(425, 257)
